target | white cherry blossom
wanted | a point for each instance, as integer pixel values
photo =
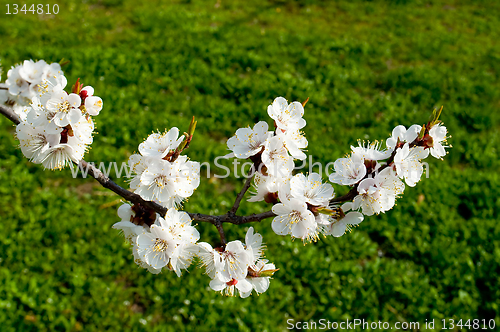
(254, 246)
(212, 260)
(48, 87)
(294, 142)
(26, 79)
(32, 71)
(93, 105)
(370, 151)
(81, 126)
(143, 264)
(276, 159)
(138, 164)
(378, 194)
(265, 186)
(259, 283)
(63, 154)
(171, 241)
(287, 116)
(228, 264)
(248, 142)
(293, 217)
(183, 256)
(34, 141)
(408, 165)
(243, 286)
(129, 229)
(337, 226)
(53, 70)
(438, 134)
(348, 171)
(87, 91)
(169, 183)
(157, 182)
(187, 176)
(311, 189)
(16, 84)
(236, 261)
(399, 133)
(62, 105)
(39, 116)
(159, 145)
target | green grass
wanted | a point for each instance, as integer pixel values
(366, 66)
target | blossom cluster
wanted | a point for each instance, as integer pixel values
(161, 173)
(300, 202)
(305, 206)
(239, 266)
(159, 242)
(56, 127)
(171, 242)
(378, 174)
(23, 82)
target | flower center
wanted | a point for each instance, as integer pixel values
(295, 217)
(160, 245)
(232, 261)
(161, 181)
(253, 143)
(64, 106)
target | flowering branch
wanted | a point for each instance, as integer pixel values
(55, 129)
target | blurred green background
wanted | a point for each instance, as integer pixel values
(366, 66)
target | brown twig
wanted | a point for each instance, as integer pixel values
(106, 182)
(187, 140)
(9, 114)
(220, 229)
(178, 151)
(232, 219)
(248, 182)
(347, 197)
